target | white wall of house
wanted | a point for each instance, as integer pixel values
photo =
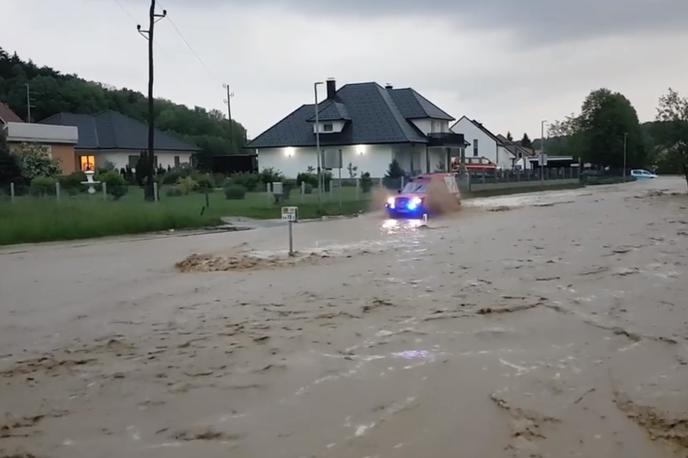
(121, 158)
(486, 146)
(337, 127)
(428, 125)
(374, 159)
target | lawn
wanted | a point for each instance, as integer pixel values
(31, 219)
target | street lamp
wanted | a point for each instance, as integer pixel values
(624, 161)
(542, 149)
(317, 138)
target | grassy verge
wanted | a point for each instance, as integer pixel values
(32, 219)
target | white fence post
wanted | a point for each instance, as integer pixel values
(105, 190)
(358, 189)
(57, 190)
(303, 190)
(12, 192)
(155, 191)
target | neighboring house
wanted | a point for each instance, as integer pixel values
(59, 141)
(484, 147)
(369, 125)
(118, 139)
(521, 155)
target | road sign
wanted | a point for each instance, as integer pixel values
(290, 214)
(543, 160)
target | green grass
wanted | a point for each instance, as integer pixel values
(31, 219)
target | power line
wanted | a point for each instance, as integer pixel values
(126, 11)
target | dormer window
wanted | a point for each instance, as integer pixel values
(327, 127)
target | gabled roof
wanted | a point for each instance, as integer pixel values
(414, 106)
(7, 115)
(114, 131)
(371, 112)
(331, 110)
(482, 128)
(514, 147)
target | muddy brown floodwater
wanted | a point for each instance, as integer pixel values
(539, 325)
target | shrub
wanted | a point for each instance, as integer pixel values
(116, 184)
(219, 179)
(72, 183)
(187, 185)
(271, 175)
(366, 182)
(395, 170)
(174, 191)
(308, 178)
(234, 191)
(9, 166)
(204, 182)
(43, 186)
(308, 188)
(34, 161)
(106, 167)
(249, 181)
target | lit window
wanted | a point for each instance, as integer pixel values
(87, 163)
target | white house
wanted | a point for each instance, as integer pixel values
(369, 126)
(118, 139)
(483, 147)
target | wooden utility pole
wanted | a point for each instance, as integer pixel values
(228, 101)
(153, 17)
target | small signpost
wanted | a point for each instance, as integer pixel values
(291, 215)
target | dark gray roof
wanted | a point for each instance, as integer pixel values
(114, 131)
(414, 106)
(371, 113)
(331, 110)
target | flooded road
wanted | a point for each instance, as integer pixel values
(537, 325)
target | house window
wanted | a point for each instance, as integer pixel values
(87, 163)
(133, 160)
(327, 127)
(176, 161)
(475, 147)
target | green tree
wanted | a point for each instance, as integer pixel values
(672, 136)
(509, 137)
(395, 170)
(9, 168)
(525, 141)
(606, 117)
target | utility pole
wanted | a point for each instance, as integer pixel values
(542, 150)
(229, 114)
(317, 140)
(28, 103)
(624, 160)
(153, 17)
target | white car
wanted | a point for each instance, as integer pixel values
(642, 174)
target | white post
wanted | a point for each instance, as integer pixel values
(358, 188)
(303, 190)
(402, 182)
(155, 191)
(12, 192)
(291, 240)
(267, 191)
(57, 190)
(105, 189)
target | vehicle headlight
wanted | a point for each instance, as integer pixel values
(390, 202)
(417, 200)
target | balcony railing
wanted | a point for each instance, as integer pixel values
(445, 139)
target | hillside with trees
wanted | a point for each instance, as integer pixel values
(53, 92)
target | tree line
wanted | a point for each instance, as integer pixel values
(53, 92)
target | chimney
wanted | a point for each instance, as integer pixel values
(389, 86)
(331, 88)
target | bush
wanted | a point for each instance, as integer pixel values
(187, 185)
(173, 176)
(174, 191)
(308, 188)
(116, 184)
(234, 191)
(34, 161)
(72, 183)
(43, 186)
(249, 181)
(219, 179)
(395, 170)
(308, 178)
(366, 182)
(204, 182)
(271, 175)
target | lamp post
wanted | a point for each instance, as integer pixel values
(542, 149)
(317, 139)
(624, 159)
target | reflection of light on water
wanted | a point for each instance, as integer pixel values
(392, 226)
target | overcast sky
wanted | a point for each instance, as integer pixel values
(507, 63)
